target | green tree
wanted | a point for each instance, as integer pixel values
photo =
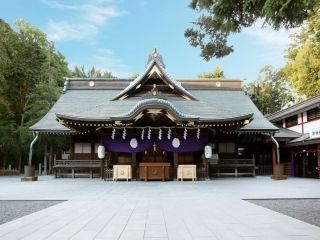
(220, 18)
(91, 73)
(303, 59)
(31, 74)
(270, 92)
(135, 75)
(217, 72)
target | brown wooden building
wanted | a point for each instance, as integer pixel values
(299, 137)
(155, 119)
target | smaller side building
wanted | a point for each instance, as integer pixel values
(299, 137)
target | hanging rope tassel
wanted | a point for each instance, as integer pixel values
(113, 133)
(185, 134)
(124, 134)
(149, 133)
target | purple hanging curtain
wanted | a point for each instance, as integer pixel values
(118, 144)
(136, 144)
(180, 145)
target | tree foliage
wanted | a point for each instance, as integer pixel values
(303, 59)
(217, 72)
(220, 18)
(31, 75)
(270, 92)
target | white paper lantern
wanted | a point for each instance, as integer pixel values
(176, 142)
(101, 151)
(208, 151)
(133, 143)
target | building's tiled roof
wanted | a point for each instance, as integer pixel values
(285, 133)
(145, 103)
(201, 101)
(303, 140)
(295, 109)
(98, 104)
(134, 84)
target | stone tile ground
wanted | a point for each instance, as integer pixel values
(157, 210)
(10, 210)
(307, 210)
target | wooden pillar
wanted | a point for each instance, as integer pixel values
(134, 165)
(318, 158)
(304, 163)
(292, 165)
(50, 158)
(102, 170)
(92, 146)
(175, 165)
(318, 154)
(273, 155)
(45, 158)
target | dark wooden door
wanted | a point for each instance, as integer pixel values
(154, 155)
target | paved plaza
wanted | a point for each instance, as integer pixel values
(157, 210)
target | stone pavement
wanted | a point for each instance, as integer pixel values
(157, 210)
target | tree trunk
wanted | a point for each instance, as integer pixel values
(19, 151)
(19, 140)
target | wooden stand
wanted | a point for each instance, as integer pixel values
(154, 171)
(122, 172)
(278, 172)
(188, 171)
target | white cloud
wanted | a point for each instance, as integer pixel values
(104, 59)
(266, 35)
(99, 15)
(272, 43)
(89, 16)
(66, 31)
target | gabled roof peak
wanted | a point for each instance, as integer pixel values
(155, 69)
(155, 56)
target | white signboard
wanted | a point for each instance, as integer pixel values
(315, 133)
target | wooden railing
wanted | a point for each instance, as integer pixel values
(234, 167)
(61, 164)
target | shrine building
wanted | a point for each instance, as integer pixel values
(153, 125)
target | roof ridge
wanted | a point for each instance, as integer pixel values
(297, 105)
(135, 83)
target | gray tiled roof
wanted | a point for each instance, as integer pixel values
(98, 104)
(285, 133)
(302, 138)
(235, 101)
(294, 109)
(155, 102)
(140, 78)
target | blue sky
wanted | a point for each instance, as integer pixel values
(118, 35)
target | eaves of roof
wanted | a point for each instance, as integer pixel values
(295, 109)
